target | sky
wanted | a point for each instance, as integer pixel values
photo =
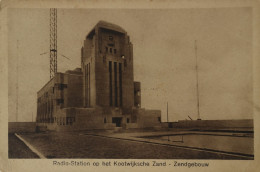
(164, 57)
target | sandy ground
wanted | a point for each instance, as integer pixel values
(17, 149)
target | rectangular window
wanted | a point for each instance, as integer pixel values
(110, 84)
(69, 121)
(120, 85)
(86, 85)
(89, 84)
(104, 59)
(115, 84)
(110, 38)
(81, 54)
(110, 50)
(125, 63)
(106, 49)
(111, 44)
(60, 101)
(127, 120)
(114, 51)
(61, 87)
(105, 120)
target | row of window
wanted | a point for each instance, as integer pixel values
(62, 86)
(45, 108)
(117, 87)
(59, 101)
(45, 120)
(59, 121)
(127, 120)
(111, 50)
(110, 38)
(46, 94)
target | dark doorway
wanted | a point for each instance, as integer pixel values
(117, 121)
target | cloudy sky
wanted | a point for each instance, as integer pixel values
(164, 57)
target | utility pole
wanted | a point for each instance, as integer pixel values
(53, 42)
(17, 80)
(197, 79)
(168, 121)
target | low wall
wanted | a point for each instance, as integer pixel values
(131, 125)
(99, 119)
(246, 124)
(148, 118)
(16, 127)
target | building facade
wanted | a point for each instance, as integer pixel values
(102, 94)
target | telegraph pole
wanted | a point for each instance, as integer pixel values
(17, 79)
(168, 121)
(197, 79)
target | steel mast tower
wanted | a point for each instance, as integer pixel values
(53, 42)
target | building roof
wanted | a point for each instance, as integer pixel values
(75, 71)
(110, 26)
(106, 25)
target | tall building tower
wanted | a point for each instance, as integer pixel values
(107, 65)
(102, 93)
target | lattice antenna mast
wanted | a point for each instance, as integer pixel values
(53, 42)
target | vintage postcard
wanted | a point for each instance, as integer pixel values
(126, 86)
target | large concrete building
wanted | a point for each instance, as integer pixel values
(102, 94)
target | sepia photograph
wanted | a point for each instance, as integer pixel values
(131, 87)
(138, 84)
